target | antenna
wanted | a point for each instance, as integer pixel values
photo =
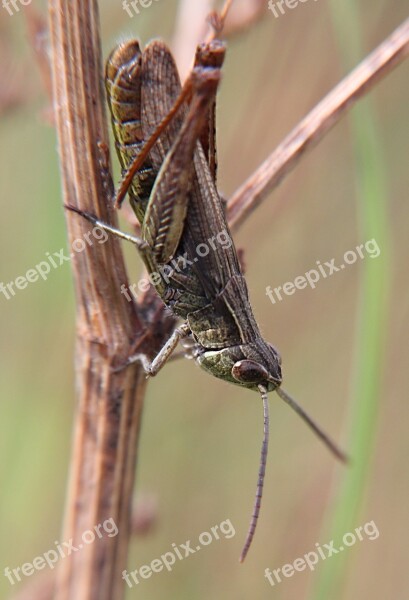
(263, 457)
(313, 425)
(261, 473)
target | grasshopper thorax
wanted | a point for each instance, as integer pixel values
(247, 365)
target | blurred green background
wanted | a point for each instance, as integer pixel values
(344, 344)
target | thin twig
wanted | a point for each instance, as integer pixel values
(318, 122)
(190, 29)
(192, 23)
(243, 15)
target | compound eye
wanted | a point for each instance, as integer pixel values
(249, 371)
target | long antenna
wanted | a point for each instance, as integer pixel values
(313, 425)
(261, 473)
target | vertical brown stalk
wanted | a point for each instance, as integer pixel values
(109, 405)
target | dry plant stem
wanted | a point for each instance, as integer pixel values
(109, 405)
(190, 28)
(243, 15)
(235, 17)
(320, 120)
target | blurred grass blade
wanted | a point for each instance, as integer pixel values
(371, 318)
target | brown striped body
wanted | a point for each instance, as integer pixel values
(175, 198)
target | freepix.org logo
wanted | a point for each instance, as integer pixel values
(322, 271)
(310, 559)
(279, 7)
(13, 6)
(179, 552)
(61, 550)
(133, 7)
(177, 265)
(53, 261)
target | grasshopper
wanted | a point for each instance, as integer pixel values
(165, 140)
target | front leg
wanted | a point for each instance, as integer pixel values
(152, 368)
